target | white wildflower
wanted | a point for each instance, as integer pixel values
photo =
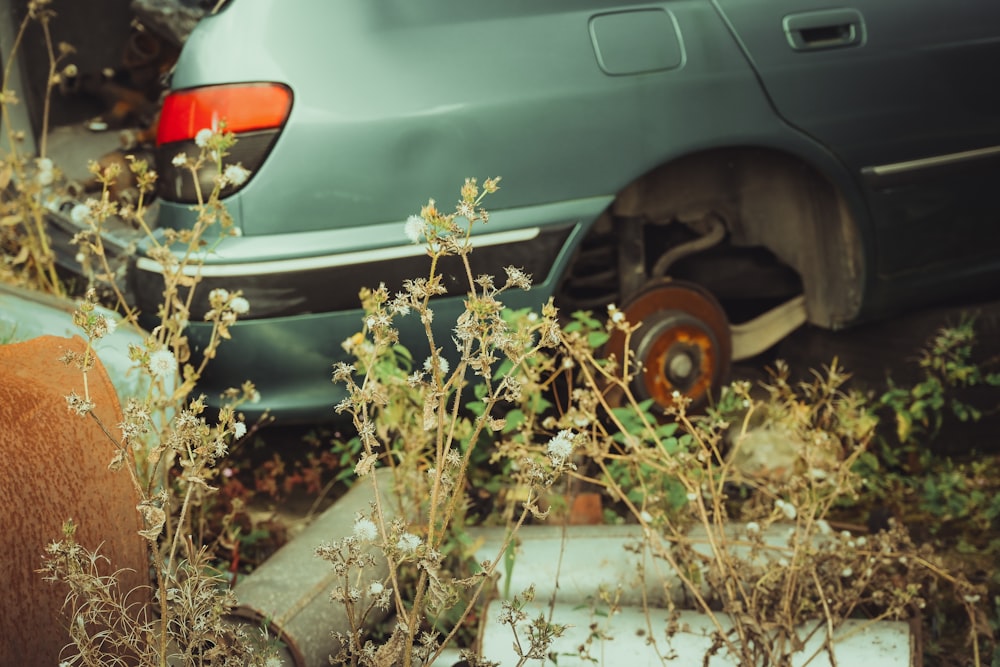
(110, 324)
(753, 527)
(846, 572)
(239, 305)
(408, 543)
(273, 661)
(971, 599)
(219, 294)
(235, 174)
(518, 278)
(162, 363)
(239, 430)
(616, 315)
(414, 228)
(645, 516)
(179, 160)
(45, 174)
(79, 213)
(560, 447)
(824, 527)
(442, 363)
(786, 508)
(201, 139)
(365, 530)
(375, 588)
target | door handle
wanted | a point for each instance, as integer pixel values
(826, 29)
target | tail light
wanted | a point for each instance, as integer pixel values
(254, 112)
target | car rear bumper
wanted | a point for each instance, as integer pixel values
(303, 294)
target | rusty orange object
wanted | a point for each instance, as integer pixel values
(55, 467)
(683, 343)
(586, 509)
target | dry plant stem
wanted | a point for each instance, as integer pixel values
(464, 466)
(132, 474)
(46, 103)
(489, 405)
(828, 644)
(42, 238)
(563, 539)
(180, 522)
(685, 579)
(487, 579)
(130, 313)
(439, 442)
(651, 632)
(379, 511)
(718, 512)
(413, 617)
(157, 557)
(11, 58)
(442, 444)
(38, 234)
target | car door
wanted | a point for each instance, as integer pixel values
(904, 92)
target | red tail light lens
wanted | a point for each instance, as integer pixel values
(242, 107)
(254, 112)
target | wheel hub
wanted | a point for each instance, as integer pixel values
(682, 345)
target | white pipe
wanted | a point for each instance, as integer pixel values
(575, 567)
(636, 638)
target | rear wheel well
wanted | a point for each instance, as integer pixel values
(780, 218)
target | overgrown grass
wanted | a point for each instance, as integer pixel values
(822, 471)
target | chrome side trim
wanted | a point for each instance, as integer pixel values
(329, 261)
(936, 161)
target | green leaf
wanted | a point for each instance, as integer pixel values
(509, 557)
(503, 369)
(514, 420)
(595, 339)
(666, 430)
(402, 351)
(539, 404)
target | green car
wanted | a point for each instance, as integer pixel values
(723, 171)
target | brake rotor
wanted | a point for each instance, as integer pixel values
(682, 345)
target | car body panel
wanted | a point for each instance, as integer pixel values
(401, 113)
(572, 103)
(905, 107)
